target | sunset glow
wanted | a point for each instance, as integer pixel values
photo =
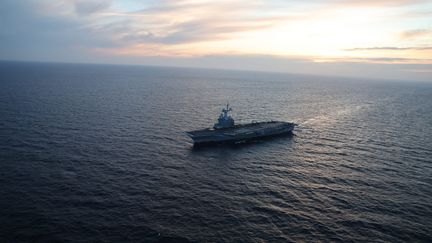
(385, 32)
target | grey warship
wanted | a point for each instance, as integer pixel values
(225, 131)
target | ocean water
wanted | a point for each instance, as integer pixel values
(97, 153)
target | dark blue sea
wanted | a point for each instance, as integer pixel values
(97, 153)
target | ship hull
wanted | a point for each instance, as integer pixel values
(241, 133)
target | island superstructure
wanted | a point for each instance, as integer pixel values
(226, 131)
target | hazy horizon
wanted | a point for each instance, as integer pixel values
(367, 39)
(323, 75)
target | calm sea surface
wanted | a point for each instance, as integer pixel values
(92, 153)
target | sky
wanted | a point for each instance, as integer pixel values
(387, 39)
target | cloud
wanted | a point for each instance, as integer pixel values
(388, 60)
(373, 3)
(419, 13)
(26, 34)
(428, 71)
(388, 48)
(374, 59)
(86, 7)
(185, 21)
(412, 34)
(194, 30)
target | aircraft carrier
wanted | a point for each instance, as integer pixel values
(225, 131)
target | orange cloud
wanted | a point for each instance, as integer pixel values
(317, 28)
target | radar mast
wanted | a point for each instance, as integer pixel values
(224, 120)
